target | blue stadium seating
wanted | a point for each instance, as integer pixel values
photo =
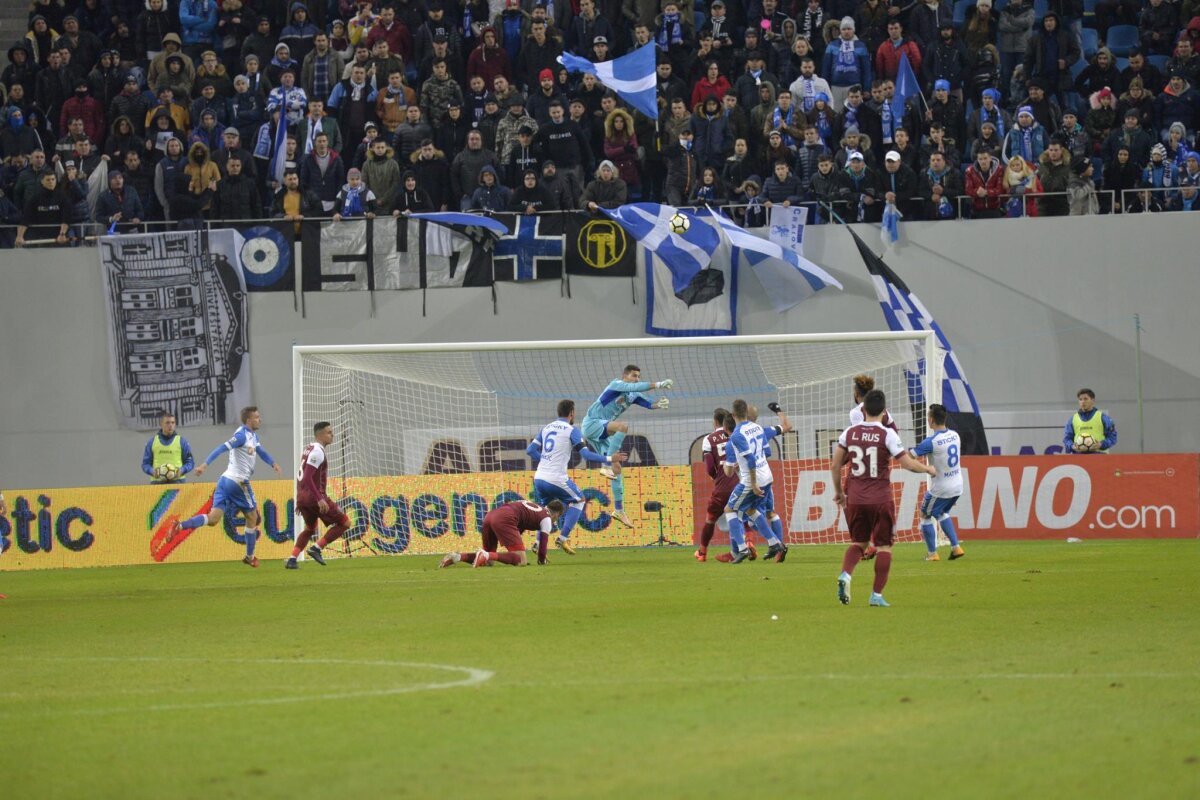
(700, 19)
(1122, 39)
(1040, 7)
(1158, 62)
(960, 11)
(1091, 42)
(1122, 64)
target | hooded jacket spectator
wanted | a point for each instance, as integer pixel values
(381, 174)
(121, 139)
(433, 175)
(1055, 178)
(237, 197)
(489, 59)
(124, 201)
(713, 139)
(491, 196)
(465, 169)
(16, 137)
(299, 32)
(21, 68)
(131, 103)
(200, 170)
(414, 201)
(152, 26)
(1046, 49)
(608, 193)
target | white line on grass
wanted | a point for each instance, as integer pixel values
(472, 676)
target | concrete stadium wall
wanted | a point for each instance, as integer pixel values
(1035, 308)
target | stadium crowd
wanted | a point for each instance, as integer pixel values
(124, 111)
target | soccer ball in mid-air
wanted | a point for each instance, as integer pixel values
(167, 472)
(1085, 443)
(679, 224)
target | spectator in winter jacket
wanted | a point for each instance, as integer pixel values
(198, 24)
(985, 185)
(887, 56)
(940, 187)
(1014, 26)
(316, 122)
(231, 146)
(1049, 55)
(1054, 172)
(1100, 73)
(1075, 138)
(1022, 185)
(1081, 190)
(151, 28)
(291, 202)
(1179, 102)
(606, 191)
(439, 91)
(354, 199)
(898, 185)
(411, 198)
(46, 213)
(1131, 136)
(861, 183)
(409, 134)
(299, 33)
(433, 174)
(1101, 117)
(208, 131)
(323, 173)
(925, 20)
(531, 197)
(131, 103)
(782, 188)
(989, 110)
(565, 142)
(1027, 139)
(119, 205)
(847, 63)
(711, 130)
(557, 186)
(491, 196)
(139, 175)
(381, 174)
(247, 110)
(1157, 27)
(237, 193)
(946, 60)
(465, 169)
(683, 170)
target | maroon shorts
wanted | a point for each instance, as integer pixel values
(504, 534)
(311, 513)
(716, 503)
(873, 524)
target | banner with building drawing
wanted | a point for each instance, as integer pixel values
(177, 326)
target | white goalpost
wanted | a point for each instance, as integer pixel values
(429, 437)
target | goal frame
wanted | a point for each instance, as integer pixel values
(933, 377)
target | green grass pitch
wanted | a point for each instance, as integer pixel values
(1024, 670)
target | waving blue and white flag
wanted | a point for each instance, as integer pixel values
(631, 76)
(889, 231)
(279, 151)
(688, 293)
(787, 276)
(904, 311)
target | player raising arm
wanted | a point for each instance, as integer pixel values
(503, 525)
(605, 433)
(552, 449)
(754, 493)
(312, 502)
(713, 450)
(944, 449)
(870, 507)
(234, 494)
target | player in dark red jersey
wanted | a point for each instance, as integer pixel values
(870, 508)
(713, 451)
(312, 502)
(503, 525)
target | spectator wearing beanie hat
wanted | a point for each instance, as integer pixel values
(1188, 198)
(1101, 117)
(1178, 102)
(1130, 135)
(1027, 139)
(846, 63)
(607, 190)
(1160, 173)
(1081, 190)
(354, 199)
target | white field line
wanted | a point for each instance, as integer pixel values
(471, 677)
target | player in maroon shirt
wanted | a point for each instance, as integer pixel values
(503, 525)
(870, 507)
(714, 459)
(312, 502)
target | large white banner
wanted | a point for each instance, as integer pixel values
(178, 326)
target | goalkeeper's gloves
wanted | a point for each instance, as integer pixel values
(662, 402)
(667, 384)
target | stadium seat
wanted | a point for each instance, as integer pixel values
(1078, 67)
(999, 5)
(1122, 64)
(1091, 42)
(1122, 39)
(960, 12)
(1089, 13)
(700, 19)
(1040, 7)
(1158, 62)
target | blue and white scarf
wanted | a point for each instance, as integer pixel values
(778, 117)
(670, 32)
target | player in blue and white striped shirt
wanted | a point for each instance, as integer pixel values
(552, 449)
(944, 449)
(746, 453)
(605, 433)
(234, 494)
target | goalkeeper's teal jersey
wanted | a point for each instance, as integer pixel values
(616, 398)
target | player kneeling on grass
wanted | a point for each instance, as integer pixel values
(552, 449)
(234, 494)
(312, 502)
(503, 525)
(944, 449)
(870, 507)
(754, 494)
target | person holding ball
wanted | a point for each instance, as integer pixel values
(1089, 430)
(168, 456)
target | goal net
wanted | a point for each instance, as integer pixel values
(431, 437)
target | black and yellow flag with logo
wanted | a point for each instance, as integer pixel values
(598, 246)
